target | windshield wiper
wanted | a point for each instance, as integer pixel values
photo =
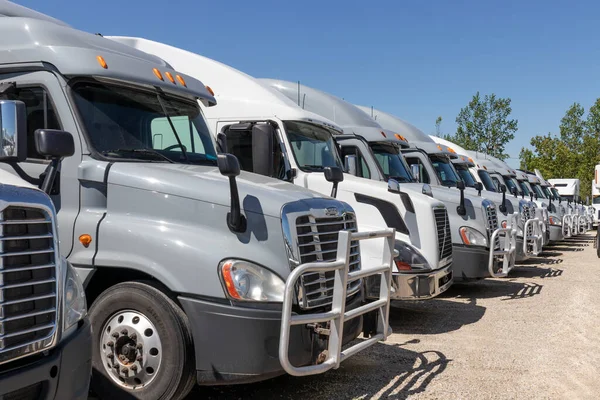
(183, 151)
(314, 167)
(150, 152)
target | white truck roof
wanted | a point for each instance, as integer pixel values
(348, 116)
(8, 9)
(239, 95)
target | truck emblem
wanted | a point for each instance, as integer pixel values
(331, 212)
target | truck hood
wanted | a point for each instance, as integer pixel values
(6, 178)
(257, 193)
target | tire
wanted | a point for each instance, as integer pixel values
(598, 243)
(175, 373)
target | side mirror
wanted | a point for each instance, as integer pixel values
(262, 149)
(514, 191)
(229, 166)
(461, 209)
(350, 163)
(13, 131)
(479, 187)
(221, 143)
(55, 145)
(393, 186)
(416, 172)
(334, 175)
(502, 207)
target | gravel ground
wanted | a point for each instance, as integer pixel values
(532, 335)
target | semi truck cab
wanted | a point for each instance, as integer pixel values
(178, 250)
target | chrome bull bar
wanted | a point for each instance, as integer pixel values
(566, 225)
(535, 239)
(337, 316)
(508, 253)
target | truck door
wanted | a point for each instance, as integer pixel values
(47, 108)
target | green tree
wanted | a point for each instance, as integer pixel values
(573, 152)
(438, 124)
(485, 125)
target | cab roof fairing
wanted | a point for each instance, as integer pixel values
(75, 53)
(240, 96)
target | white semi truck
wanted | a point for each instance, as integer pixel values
(194, 271)
(596, 197)
(475, 167)
(567, 188)
(431, 164)
(273, 136)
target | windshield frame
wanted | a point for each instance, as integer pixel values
(398, 156)
(165, 96)
(537, 189)
(335, 149)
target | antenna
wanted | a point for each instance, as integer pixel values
(303, 100)
(371, 111)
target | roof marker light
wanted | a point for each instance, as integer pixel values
(101, 62)
(212, 92)
(157, 73)
(439, 147)
(484, 167)
(170, 76)
(383, 134)
(399, 137)
(180, 79)
(451, 150)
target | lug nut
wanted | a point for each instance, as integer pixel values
(139, 346)
(110, 343)
(133, 336)
(124, 332)
(115, 334)
(134, 368)
(122, 357)
(110, 355)
(124, 370)
(139, 359)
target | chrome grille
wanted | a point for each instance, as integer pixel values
(444, 233)
(318, 241)
(28, 282)
(492, 223)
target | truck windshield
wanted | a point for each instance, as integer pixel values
(596, 200)
(445, 171)
(126, 123)
(391, 162)
(465, 174)
(525, 188)
(487, 181)
(567, 197)
(538, 190)
(547, 192)
(313, 146)
(512, 183)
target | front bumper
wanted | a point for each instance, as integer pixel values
(241, 345)
(556, 233)
(470, 263)
(62, 374)
(421, 286)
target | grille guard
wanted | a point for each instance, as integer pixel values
(338, 314)
(536, 239)
(566, 225)
(508, 253)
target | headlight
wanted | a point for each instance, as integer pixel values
(427, 190)
(555, 220)
(75, 307)
(472, 237)
(409, 258)
(245, 281)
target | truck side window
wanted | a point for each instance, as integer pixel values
(424, 174)
(363, 168)
(40, 114)
(164, 138)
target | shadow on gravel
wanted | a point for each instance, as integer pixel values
(362, 376)
(546, 253)
(532, 272)
(541, 261)
(433, 316)
(571, 247)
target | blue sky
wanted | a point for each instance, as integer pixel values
(415, 59)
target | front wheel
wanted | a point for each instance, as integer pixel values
(142, 345)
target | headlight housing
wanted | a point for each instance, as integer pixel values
(472, 237)
(246, 281)
(555, 220)
(74, 303)
(409, 258)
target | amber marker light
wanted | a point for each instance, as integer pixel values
(229, 285)
(157, 73)
(180, 80)
(101, 61)
(85, 240)
(170, 77)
